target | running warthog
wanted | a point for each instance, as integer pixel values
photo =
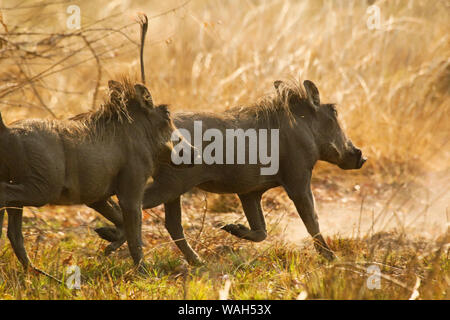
(308, 131)
(86, 160)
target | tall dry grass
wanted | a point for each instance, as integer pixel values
(391, 84)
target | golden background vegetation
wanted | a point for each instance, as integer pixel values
(392, 89)
(391, 84)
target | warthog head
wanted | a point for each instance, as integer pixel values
(331, 141)
(334, 146)
(141, 106)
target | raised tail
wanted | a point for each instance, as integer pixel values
(143, 21)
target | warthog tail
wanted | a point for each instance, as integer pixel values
(143, 21)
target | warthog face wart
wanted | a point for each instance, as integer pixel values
(334, 146)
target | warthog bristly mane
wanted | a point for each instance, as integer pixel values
(272, 109)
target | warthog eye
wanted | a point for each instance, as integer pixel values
(165, 112)
(167, 115)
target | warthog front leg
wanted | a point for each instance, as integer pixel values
(132, 216)
(304, 202)
(251, 203)
(154, 195)
(175, 228)
(130, 193)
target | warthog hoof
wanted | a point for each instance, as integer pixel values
(241, 231)
(143, 269)
(113, 246)
(326, 252)
(196, 261)
(235, 227)
(238, 230)
(111, 234)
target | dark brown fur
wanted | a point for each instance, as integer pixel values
(85, 160)
(309, 132)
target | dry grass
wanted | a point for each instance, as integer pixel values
(391, 86)
(275, 269)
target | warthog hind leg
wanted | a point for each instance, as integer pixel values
(113, 235)
(173, 225)
(251, 203)
(111, 211)
(110, 234)
(113, 246)
(15, 235)
(16, 238)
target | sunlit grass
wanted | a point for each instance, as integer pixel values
(271, 270)
(391, 86)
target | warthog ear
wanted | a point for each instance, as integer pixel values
(277, 84)
(114, 85)
(116, 91)
(312, 92)
(144, 96)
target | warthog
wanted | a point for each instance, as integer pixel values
(86, 160)
(308, 131)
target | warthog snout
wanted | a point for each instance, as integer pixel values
(353, 158)
(360, 160)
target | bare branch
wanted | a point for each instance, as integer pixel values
(99, 70)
